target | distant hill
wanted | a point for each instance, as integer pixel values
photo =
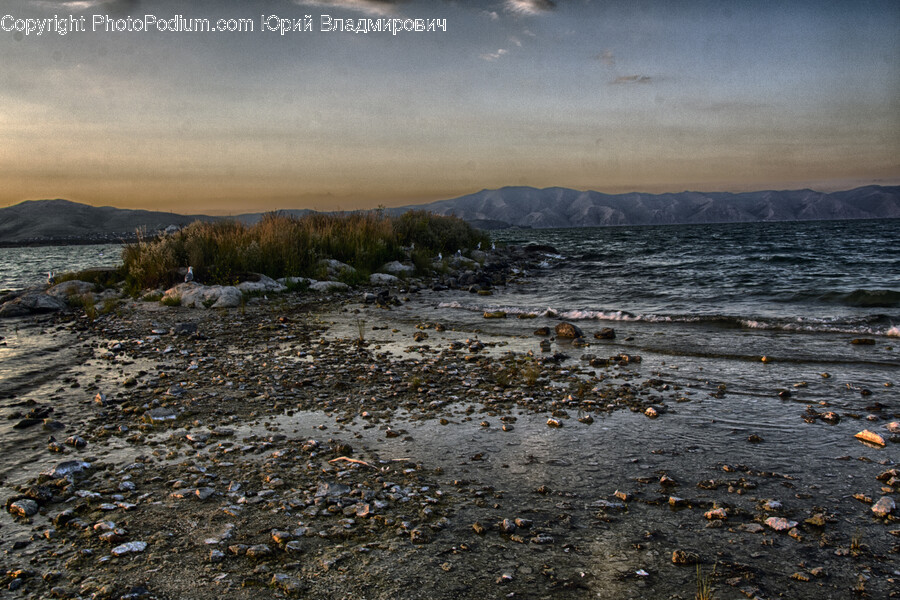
(61, 221)
(35, 221)
(562, 207)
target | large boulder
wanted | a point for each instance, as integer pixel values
(31, 303)
(328, 286)
(70, 288)
(335, 267)
(195, 295)
(397, 268)
(383, 279)
(568, 330)
(262, 285)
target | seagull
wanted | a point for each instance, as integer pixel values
(493, 246)
(189, 276)
(440, 256)
(479, 245)
(50, 278)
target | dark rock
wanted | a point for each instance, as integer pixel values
(568, 330)
(683, 557)
(24, 507)
(184, 329)
(607, 333)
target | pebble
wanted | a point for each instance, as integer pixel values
(684, 557)
(24, 507)
(884, 507)
(870, 436)
(135, 547)
(780, 524)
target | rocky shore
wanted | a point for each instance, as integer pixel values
(331, 446)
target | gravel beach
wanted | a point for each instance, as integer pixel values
(319, 446)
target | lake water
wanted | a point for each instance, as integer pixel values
(25, 267)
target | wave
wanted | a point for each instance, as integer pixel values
(877, 325)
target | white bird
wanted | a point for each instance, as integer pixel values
(189, 276)
(440, 256)
(479, 245)
(50, 278)
(493, 246)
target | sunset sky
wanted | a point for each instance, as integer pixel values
(615, 96)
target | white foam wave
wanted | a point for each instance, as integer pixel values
(819, 326)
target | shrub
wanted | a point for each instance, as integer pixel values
(283, 246)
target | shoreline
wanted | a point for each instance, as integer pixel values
(452, 452)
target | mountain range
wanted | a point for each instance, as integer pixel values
(62, 221)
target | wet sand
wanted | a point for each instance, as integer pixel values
(271, 453)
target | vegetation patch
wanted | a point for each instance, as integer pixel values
(284, 246)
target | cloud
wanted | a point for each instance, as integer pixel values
(607, 58)
(632, 79)
(119, 6)
(494, 55)
(530, 7)
(371, 7)
(492, 15)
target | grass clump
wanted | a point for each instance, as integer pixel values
(704, 585)
(102, 278)
(171, 301)
(283, 246)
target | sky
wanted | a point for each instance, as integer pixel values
(614, 96)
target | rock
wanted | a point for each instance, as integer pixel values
(67, 468)
(75, 441)
(67, 289)
(383, 279)
(420, 336)
(31, 303)
(397, 268)
(157, 416)
(884, 507)
(568, 330)
(894, 427)
(542, 331)
(259, 551)
(497, 314)
(195, 295)
(684, 557)
(287, 584)
(651, 412)
(26, 423)
(862, 342)
(716, 514)
(607, 333)
(135, 547)
(780, 524)
(262, 284)
(323, 287)
(870, 436)
(334, 268)
(184, 329)
(286, 281)
(24, 507)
